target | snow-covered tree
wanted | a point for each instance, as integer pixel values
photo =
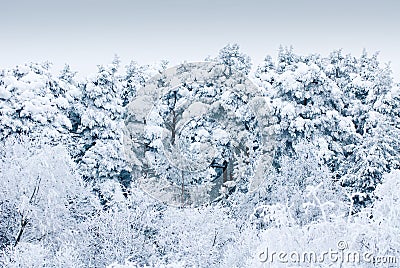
(44, 197)
(307, 105)
(134, 78)
(202, 127)
(100, 142)
(337, 103)
(233, 60)
(31, 102)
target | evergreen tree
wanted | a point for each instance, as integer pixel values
(100, 131)
(32, 102)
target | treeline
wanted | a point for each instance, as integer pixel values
(329, 126)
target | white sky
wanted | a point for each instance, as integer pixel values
(85, 33)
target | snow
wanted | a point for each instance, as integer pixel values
(140, 107)
(335, 90)
(302, 69)
(61, 102)
(395, 92)
(154, 131)
(221, 136)
(299, 123)
(346, 125)
(104, 197)
(23, 69)
(202, 133)
(288, 110)
(74, 93)
(4, 93)
(358, 81)
(195, 109)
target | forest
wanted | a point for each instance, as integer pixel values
(216, 163)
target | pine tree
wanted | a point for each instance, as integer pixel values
(32, 102)
(100, 131)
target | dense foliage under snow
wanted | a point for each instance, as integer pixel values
(305, 160)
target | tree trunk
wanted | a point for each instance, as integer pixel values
(183, 190)
(173, 128)
(24, 222)
(225, 174)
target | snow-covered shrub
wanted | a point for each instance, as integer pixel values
(43, 194)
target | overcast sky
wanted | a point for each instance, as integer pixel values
(85, 33)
